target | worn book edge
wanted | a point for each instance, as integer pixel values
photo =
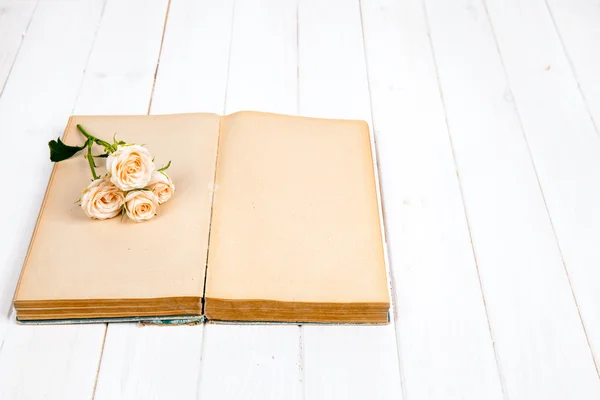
(200, 318)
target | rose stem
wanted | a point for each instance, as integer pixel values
(90, 159)
(109, 147)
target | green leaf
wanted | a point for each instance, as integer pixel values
(60, 151)
(101, 155)
(165, 167)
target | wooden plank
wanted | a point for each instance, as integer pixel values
(257, 361)
(250, 362)
(35, 104)
(563, 142)
(192, 74)
(541, 346)
(341, 361)
(576, 22)
(263, 64)
(443, 334)
(50, 362)
(120, 73)
(15, 16)
(154, 361)
(150, 362)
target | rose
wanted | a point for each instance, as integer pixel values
(162, 186)
(102, 200)
(130, 167)
(141, 205)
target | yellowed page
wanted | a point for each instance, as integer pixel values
(295, 215)
(74, 257)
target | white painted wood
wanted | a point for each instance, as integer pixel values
(577, 24)
(192, 75)
(540, 342)
(443, 334)
(251, 362)
(150, 362)
(257, 361)
(50, 362)
(564, 144)
(154, 362)
(263, 64)
(61, 361)
(120, 73)
(15, 16)
(341, 362)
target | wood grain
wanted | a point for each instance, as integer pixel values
(439, 300)
(576, 24)
(563, 141)
(15, 17)
(542, 348)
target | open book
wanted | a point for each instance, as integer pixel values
(275, 218)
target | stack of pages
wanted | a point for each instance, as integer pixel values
(275, 218)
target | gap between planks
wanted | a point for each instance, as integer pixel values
(160, 48)
(574, 73)
(388, 254)
(12, 64)
(87, 61)
(529, 152)
(462, 196)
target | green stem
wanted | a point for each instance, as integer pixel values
(90, 158)
(109, 147)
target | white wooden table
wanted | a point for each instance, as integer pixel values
(486, 117)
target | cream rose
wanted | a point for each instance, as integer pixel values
(130, 167)
(102, 200)
(162, 186)
(141, 205)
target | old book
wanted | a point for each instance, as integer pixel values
(275, 218)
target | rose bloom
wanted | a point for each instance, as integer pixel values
(102, 199)
(130, 167)
(162, 186)
(141, 205)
